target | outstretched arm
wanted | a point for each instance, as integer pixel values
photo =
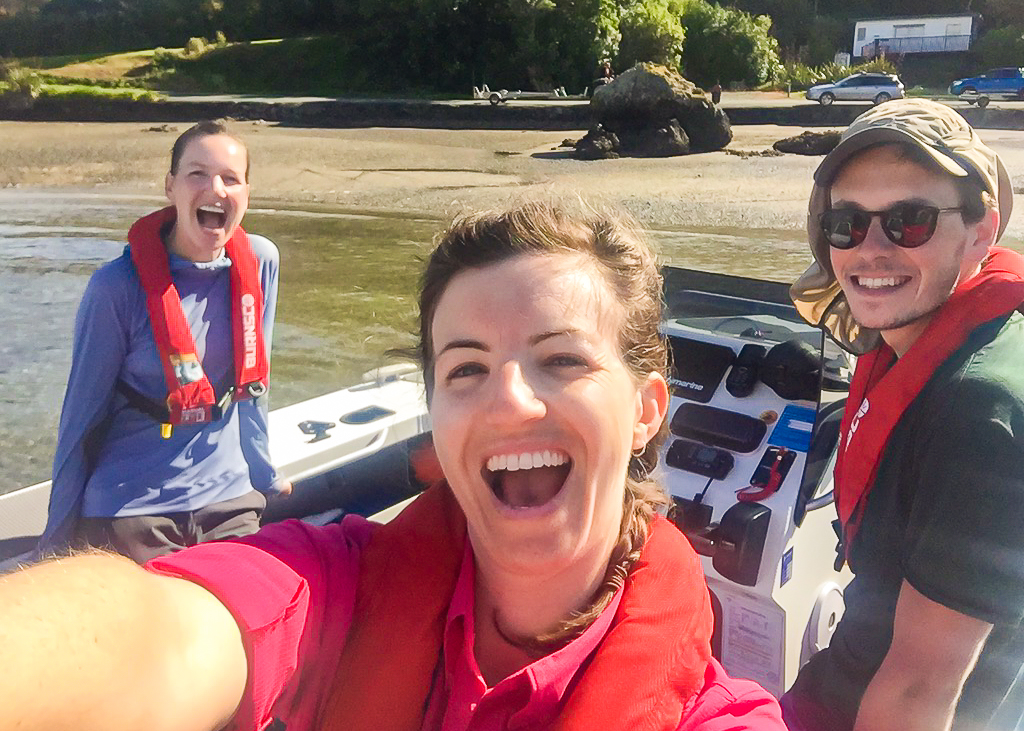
(933, 650)
(95, 642)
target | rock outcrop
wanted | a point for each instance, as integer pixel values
(597, 144)
(652, 111)
(809, 143)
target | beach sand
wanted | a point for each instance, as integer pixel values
(435, 172)
(427, 171)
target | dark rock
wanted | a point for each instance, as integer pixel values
(664, 141)
(568, 142)
(754, 153)
(654, 97)
(707, 132)
(17, 101)
(597, 144)
(809, 143)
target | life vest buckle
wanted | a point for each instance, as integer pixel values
(218, 409)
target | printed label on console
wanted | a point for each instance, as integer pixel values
(752, 643)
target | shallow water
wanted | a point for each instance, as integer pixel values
(347, 295)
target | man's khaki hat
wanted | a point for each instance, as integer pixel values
(934, 128)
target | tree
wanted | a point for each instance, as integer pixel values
(9, 8)
(1001, 46)
(1004, 12)
(649, 31)
(728, 45)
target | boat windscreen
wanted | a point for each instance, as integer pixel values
(750, 319)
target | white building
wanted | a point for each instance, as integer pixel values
(917, 34)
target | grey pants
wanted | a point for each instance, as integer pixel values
(142, 537)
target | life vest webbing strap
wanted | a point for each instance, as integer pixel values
(159, 411)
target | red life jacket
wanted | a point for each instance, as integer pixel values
(191, 398)
(643, 675)
(884, 387)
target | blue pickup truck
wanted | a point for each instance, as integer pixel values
(1004, 83)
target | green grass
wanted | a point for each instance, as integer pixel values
(293, 66)
(281, 66)
(45, 63)
(931, 92)
(118, 69)
(65, 91)
(309, 66)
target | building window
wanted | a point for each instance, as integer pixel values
(903, 31)
(861, 32)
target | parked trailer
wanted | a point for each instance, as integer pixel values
(496, 97)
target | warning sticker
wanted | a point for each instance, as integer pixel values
(787, 567)
(752, 643)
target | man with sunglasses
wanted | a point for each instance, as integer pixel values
(903, 219)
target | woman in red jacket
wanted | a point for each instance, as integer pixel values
(532, 586)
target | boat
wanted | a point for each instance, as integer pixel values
(757, 395)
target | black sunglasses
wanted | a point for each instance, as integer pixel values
(907, 224)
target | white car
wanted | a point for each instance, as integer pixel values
(873, 87)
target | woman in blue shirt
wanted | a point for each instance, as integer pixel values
(145, 463)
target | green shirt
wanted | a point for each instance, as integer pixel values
(945, 514)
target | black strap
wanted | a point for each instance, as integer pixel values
(139, 401)
(159, 412)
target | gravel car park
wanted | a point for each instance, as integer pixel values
(873, 87)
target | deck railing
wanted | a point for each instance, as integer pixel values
(915, 44)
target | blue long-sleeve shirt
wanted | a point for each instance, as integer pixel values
(111, 460)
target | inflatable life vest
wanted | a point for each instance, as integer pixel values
(643, 675)
(191, 398)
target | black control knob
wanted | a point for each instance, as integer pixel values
(743, 376)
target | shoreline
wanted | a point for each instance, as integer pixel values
(434, 173)
(428, 173)
(746, 108)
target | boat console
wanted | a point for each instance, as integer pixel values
(753, 423)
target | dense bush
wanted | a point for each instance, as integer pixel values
(650, 31)
(164, 58)
(196, 46)
(799, 76)
(1001, 47)
(728, 45)
(374, 46)
(880, 65)
(15, 79)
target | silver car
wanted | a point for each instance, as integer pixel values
(873, 87)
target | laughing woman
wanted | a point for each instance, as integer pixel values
(162, 440)
(532, 586)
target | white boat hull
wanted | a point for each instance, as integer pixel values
(395, 395)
